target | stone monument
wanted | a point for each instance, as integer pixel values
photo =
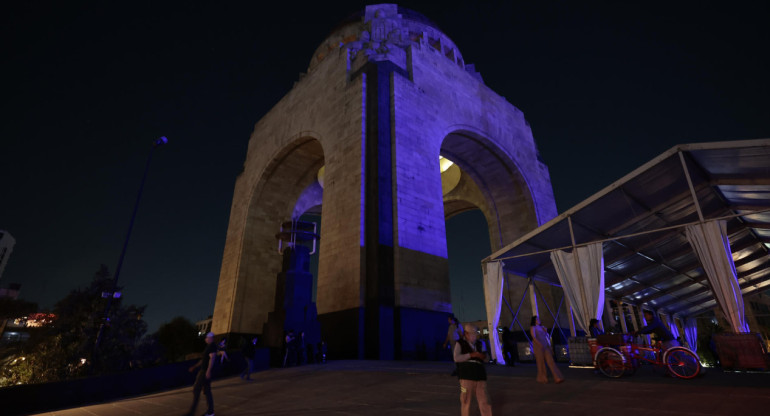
(388, 133)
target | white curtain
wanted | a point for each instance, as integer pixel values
(672, 326)
(581, 274)
(711, 245)
(493, 298)
(691, 333)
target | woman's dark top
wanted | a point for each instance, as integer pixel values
(473, 369)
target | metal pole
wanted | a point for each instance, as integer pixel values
(692, 188)
(570, 317)
(159, 142)
(515, 316)
(533, 297)
(633, 317)
(608, 313)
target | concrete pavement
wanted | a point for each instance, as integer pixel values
(425, 388)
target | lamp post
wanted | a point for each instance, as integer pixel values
(115, 294)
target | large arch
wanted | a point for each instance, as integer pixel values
(276, 195)
(491, 181)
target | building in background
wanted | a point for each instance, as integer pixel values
(6, 246)
(16, 329)
(204, 326)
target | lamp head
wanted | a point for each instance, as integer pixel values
(160, 141)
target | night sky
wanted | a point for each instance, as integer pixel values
(87, 87)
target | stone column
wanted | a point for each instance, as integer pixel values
(621, 316)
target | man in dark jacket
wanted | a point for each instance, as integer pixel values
(203, 380)
(655, 326)
(248, 350)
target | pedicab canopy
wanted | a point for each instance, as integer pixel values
(687, 232)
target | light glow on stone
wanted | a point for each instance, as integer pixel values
(320, 176)
(444, 163)
(450, 175)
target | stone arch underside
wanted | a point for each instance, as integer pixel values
(281, 191)
(492, 183)
(309, 202)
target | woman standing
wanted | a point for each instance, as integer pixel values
(541, 345)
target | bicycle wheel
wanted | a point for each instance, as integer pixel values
(610, 363)
(682, 362)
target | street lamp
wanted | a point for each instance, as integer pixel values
(114, 294)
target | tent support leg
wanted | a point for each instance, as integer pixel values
(555, 317)
(516, 315)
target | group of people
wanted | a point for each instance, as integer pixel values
(468, 352)
(296, 351)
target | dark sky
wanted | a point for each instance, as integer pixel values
(87, 87)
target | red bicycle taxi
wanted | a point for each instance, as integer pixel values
(619, 354)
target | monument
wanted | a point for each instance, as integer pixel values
(388, 133)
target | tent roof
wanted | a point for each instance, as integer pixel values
(641, 218)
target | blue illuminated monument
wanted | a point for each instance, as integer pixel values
(388, 133)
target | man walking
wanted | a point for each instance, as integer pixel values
(248, 350)
(203, 380)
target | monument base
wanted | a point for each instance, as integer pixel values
(418, 334)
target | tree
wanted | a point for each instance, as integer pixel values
(69, 351)
(178, 338)
(148, 353)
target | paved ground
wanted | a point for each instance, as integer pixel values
(425, 388)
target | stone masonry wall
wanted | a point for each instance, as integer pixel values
(326, 107)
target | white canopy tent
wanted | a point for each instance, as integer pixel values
(639, 224)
